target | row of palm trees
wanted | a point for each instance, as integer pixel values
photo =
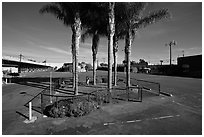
(115, 20)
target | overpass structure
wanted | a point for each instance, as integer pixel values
(16, 65)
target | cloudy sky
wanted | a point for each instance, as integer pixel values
(43, 37)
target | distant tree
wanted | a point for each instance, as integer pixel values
(55, 68)
(88, 67)
(83, 62)
(133, 63)
(103, 65)
(143, 62)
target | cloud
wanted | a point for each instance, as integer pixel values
(56, 50)
(154, 32)
(190, 49)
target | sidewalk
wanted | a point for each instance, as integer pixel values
(87, 124)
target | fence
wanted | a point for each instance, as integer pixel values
(101, 96)
(149, 86)
(131, 94)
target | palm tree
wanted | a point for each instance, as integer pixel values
(70, 14)
(96, 25)
(119, 34)
(111, 32)
(115, 50)
(132, 19)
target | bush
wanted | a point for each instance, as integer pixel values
(71, 108)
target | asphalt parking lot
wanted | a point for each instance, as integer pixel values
(159, 115)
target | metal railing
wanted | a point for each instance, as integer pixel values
(149, 86)
(152, 87)
(101, 96)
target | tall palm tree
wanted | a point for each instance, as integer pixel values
(115, 50)
(111, 32)
(132, 19)
(119, 34)
(96, 25)
(70, 14)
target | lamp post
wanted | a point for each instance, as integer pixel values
(173, 42)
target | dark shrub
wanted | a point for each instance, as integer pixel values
(69, 108)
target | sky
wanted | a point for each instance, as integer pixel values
(42, 37)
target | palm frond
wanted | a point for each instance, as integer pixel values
(126, 14)
(153, 18)
(65, 11)
(95, 43)
(136, 9)
(85, 34)
(53, 9)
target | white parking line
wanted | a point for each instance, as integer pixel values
(163, 117)
(132, 121)
(194, 110)
(139, 120)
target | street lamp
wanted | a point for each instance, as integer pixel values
(173, 42)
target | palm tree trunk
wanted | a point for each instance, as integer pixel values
(110, 45)
(128, 43)
(115, 62)
(73, 62)
(95, 42)
(94, 69)
(76, 29)
(73, 70)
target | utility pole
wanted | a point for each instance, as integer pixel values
(171, 43)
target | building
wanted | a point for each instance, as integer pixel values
(190, 65)
(14, 65)
(68, 67)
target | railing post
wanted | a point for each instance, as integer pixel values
(30, 110)
(140, 93)
(31, 118)
(128, 88)
(42, 108)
